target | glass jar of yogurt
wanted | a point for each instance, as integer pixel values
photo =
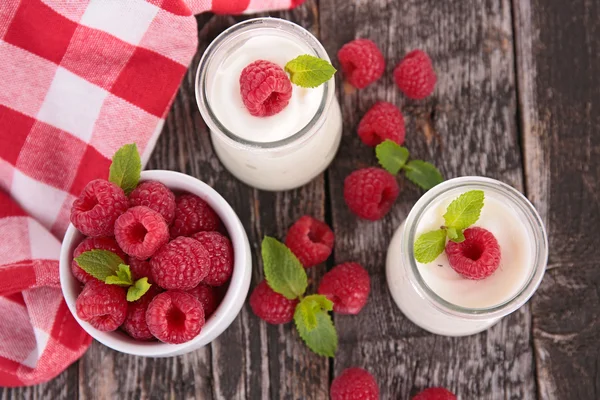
(437, 298)
(283, 151)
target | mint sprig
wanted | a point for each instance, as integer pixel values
(126, 167)
(463, 212)
(393, 158)
(283, 271)
(309, 71)
(315, 326)
(109, 268)
(285, 275)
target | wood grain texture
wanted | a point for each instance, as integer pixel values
(468, 127)
(559, 93)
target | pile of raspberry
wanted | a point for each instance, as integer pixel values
(176, 241)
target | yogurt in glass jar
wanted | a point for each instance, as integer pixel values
(440, 300)
(282, 151)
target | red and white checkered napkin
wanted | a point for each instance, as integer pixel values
(78, 79)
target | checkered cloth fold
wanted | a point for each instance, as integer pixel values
(79, 78)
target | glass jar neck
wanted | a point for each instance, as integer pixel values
(234, 37)
(513, 198)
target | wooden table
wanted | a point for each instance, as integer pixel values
(517, 99)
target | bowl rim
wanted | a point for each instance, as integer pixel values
(227, 310)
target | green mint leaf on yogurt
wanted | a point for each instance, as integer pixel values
(456, 235)
(465, 210)
(429, 246)
(99, 263)
(392, 157)
(309, 71)
(315, 326)
(423, 174)
(126, 167)
(138, 289)
(122, 277)
(284, 273)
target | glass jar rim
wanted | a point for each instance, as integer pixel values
(536, 225)
(229, 35)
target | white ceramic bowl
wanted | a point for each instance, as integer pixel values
(230, 305)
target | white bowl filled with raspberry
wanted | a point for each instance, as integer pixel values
(154, 263)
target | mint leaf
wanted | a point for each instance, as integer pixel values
(456, 235)
(122, 278)
(319, 301)
(423, 174)
(429, 246)
(319, 334)
(139, 288)
(308, 308)
(126, 168)
(283, 271)
(391, 156)
(465, 210)
(99, 263)
(309, 71)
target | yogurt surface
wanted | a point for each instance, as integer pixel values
(516, 262)
(226, 101)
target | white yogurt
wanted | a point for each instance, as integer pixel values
(283, 151)
(440, 300)
(516, 259)
(226, 101)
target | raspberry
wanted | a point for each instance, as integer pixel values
(103, 306)
(180, 264)
(175, 317)
(362, 62)
(415, 76)
(265, 88)
(156, 196)
(104, 243)
(310, 240)
(135, 321)
(477, 257)
(97, 208)
(436, 393)
(354, 384)
(192, 214)
(140, 269)
(383, 121)
(141, 231)
(207, 297)
(348, 286)
(271, 306)
(370, 192)
(220, 254)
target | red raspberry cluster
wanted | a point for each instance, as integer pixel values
(346, 285)
(371, 192)
(174, 241)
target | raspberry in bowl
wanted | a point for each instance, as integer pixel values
(471, 251)
(147, 327)
(267, 130)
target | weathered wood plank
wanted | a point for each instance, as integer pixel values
(559, 93)
(469, 126)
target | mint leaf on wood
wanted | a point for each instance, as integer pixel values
(465, 210)
(99, 263)
(316, 328)
(122, 277)
(309, 71)
(139, 288)
(284, 273)
(126, 167)
(423, 174)
(391, 156)
(429, 246)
